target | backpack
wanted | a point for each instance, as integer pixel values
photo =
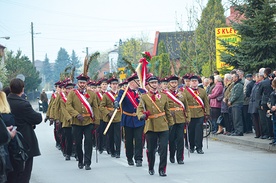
(18, 152)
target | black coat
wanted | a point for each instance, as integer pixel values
(25, 120)
(255, 98)
(265, 91)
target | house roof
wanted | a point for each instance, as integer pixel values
(235, 16)
(172, 41)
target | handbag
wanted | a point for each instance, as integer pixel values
(5, 136)
(220, 120)
(18, 151)
(220, 97)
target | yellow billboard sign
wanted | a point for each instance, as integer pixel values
(122, 73)
(229, 35)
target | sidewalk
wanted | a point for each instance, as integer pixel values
(246, 140)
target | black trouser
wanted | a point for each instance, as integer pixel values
(196, 133)
(103, 139)
(57, 133)
(247, 120)
(24, 176)
(227, 122)
(237, 119)
(263, 121)
(256, 122)
(152, 138)
(68, 136)
(78, 132)
(176, 141)
(134, 134)
(114, 134)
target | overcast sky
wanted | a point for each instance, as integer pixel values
(75, 25)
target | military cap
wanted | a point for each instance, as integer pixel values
(91, 83)
(113, 80)
(69, 85)
(164, 80)
(194, 77)
(132, 77)
(173, 78)
(152, 79)
(83, 78)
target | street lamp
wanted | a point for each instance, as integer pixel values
(6, 37)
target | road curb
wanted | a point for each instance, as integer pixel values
(246, 140)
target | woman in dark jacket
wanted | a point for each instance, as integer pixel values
(253, 106)
(25, 119)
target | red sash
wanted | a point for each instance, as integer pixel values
(173, 98)
(196, 97)
(54, 95)
(85, 103)
(100, 95)
(132, 99)
(111, 96)
(63, 97)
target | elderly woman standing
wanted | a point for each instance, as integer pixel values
(215, 102)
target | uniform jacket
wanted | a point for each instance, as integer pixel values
(127, 106)
(75, 107)
(198, 111)
(216, 91)
(99, 101)
(178, 115)
(56, 110)
(53, 107)
(236, 96)
(25, 120)
(107, 106)
(50, 106)
(158, 124)
(65, 117)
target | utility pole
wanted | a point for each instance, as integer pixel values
(32, 35)
(87, 52)
(32, 32)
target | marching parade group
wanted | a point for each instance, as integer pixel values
(157, 115)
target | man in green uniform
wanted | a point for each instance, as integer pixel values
(107, 109)
(181, 115)
(83, 107)
(154, 106)
(199, 106)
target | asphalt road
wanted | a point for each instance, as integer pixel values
(222, 162)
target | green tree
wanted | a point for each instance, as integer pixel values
(160, 64)
(75, 62)
(132, 49)
(47, 70)
(164, 65)
(258, 32)
(18, 64)
(212, 17)
(3, 74)
(62, 62)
